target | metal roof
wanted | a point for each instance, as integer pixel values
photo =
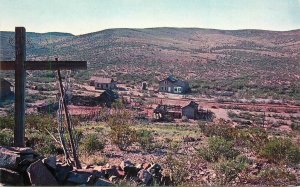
(102, 80)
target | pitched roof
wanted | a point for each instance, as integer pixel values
(171, 78)
(192, 104)
(102, 79)
(175, 81)
(110, 93)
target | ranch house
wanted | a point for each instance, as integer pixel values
(102, 83)
(174, 85)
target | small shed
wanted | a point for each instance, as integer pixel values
(5, 88)
(103, 83)
(144, 85)
(191, 110)
(48, 108)
(108, 97)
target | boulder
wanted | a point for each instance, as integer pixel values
(113, 179)
(9, 177)
(9, 159)
(145, 176)
(62, 171)
(50, 162)
(18, 150)
(139, 166)
(103, 182)
(25, 162)
(146, 165)
(129, 168)
(114, 171)
(79, 177)
(125, 164)
(39, 175)
(154, 169)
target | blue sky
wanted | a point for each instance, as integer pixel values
(83, 16)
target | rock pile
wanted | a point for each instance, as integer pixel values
(22, 166)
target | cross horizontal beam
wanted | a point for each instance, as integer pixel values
(46, 65)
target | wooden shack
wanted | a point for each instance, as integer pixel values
(191, 110)
(108, 97)
(167, 112)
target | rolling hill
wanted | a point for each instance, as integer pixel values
(248, 61)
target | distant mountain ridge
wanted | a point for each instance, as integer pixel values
(192, 53)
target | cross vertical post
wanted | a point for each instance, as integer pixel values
(20, 79)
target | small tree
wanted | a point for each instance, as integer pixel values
(281, 150)
(92, 144)
(121, 134)
(6, 137)
(228, 170)
(145, 139)
(218, 147)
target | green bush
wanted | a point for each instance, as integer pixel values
(222, 130)
(6, 137)
(176, 168)
(218, 147)
(228, 170)
(46, 148)
(40, 122)
(92, 144)
(275, 176)
(145, 139)
(40, 141)
(7, 122)
(281, 150)
(252, 138)
(121, 134)
(98, 129)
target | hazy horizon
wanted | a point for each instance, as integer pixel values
(150, 28)
(81, 17)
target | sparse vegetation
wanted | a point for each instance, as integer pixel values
(145, 139)
(6, 137)
(217, 148)
(246, 81)
(222, 130)
(176, 169)
(281, 150)
(228, 170)
(121, 134)
(92, 143)
(275, 176)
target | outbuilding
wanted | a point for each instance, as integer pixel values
(103, 83)
(191, 110)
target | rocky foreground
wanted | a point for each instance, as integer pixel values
(23, 166)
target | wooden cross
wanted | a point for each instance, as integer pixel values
(20, 65)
